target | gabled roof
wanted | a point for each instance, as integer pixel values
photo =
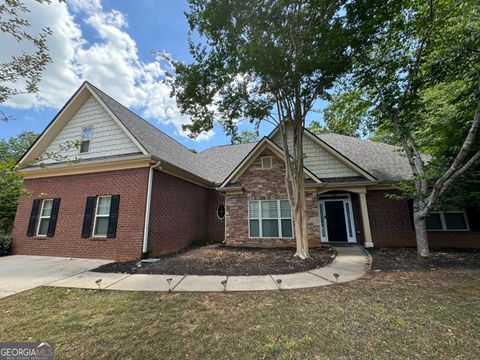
(376, 161)
(253, 154)
(385, 162)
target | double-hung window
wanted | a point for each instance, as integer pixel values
(44, 220)
(447, 221)
(86, 138)
(102, 215)
(270, 219)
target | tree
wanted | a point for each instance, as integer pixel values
(23, 72)
(13, 148)
(348, 114)
(246, 136)
(11, 186)
(264, 60)
(419, 70)
(316, 128)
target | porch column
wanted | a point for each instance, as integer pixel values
(366, 221)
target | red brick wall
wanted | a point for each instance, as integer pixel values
(391, 225)
(179, 214)
(262, 184)
(73, 190)
(216, 227)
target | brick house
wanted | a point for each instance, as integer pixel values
(129, 190)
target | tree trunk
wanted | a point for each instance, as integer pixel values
(300, 219)
(420, 224)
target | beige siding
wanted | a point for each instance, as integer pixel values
(108, 138)
(317, 160)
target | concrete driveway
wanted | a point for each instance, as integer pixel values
(23, 272)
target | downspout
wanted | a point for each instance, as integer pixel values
(147, 206)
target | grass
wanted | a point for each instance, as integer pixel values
(434, 314)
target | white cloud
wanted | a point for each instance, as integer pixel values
(111, 62)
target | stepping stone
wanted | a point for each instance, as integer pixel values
(146, 282)
(251, 283)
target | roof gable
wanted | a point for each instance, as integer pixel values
(322, 159)
(110, 137)
(252, 156)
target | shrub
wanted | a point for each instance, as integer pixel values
(5, 241)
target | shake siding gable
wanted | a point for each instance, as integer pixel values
(108, 139)
(317, 160)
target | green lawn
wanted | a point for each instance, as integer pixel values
(433, 314)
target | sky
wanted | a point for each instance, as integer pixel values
(110, 43)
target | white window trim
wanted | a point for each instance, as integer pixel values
(224, 212)
(103, 216)
(346, 199)
(444, 223)
(279, 222)
(43, 217)
(81, 140)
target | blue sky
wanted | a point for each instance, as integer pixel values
(106, 42)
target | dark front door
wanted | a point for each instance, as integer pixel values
(336, 227)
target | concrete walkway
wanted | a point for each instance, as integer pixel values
(350, 263)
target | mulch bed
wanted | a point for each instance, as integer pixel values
(223, 260)
(406, 259)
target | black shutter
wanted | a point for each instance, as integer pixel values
(33, 217)
(113, 219)
(473, 216)
(53, 217)
(88, 217)
(410, 212)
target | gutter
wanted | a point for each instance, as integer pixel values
(147, 206)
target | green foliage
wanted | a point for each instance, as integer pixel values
(5, 241)
(13, 148)
(23, 72)
(316, 128)
(436, 104)
(246, 136)
(349, 114)
(255, 55)
(11, 186)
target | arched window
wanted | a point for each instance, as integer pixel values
(220, 211)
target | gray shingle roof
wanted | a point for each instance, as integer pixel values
(222, 160)
(155, 141)
(385, 162)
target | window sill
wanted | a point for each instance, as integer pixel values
(40, 237)
(98, 238)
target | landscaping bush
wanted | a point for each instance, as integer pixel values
(5, 241)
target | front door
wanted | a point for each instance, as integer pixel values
(335, 216)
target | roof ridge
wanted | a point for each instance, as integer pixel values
(134, 113)
(223, 145)
(358, 139)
